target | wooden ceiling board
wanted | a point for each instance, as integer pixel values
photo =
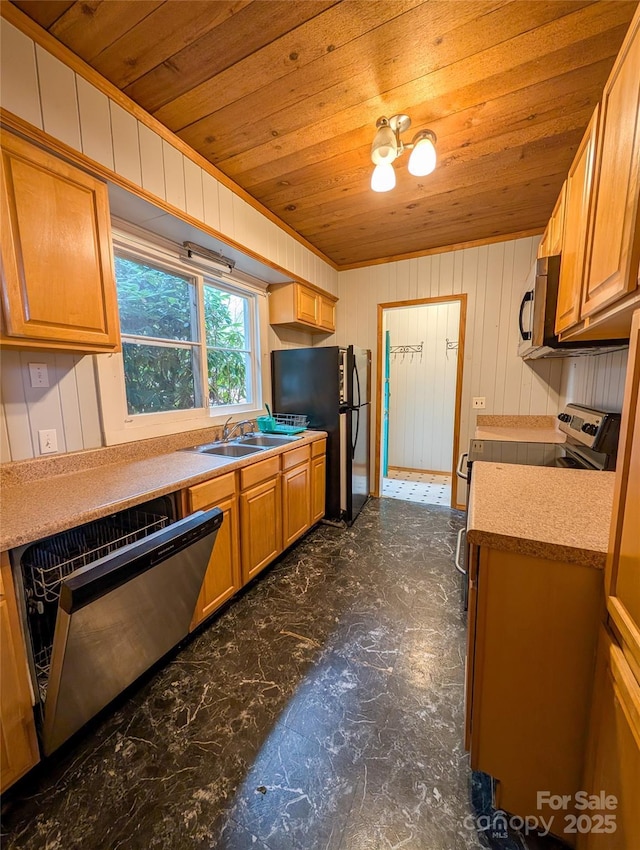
(91, 27)
(505, 122)
(183, 83)
(309, 43)
(45, 12)
(283, 96)
(450, 90)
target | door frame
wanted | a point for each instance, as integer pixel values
(421, 302)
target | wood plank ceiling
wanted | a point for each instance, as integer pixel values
(283, 96)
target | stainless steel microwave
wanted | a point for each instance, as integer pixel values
(537, 315)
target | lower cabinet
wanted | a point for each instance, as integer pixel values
(613, 764)
(267, 506)
(222, 579)
(318, 480)
(18, 741)
(533, 626)
(296, 494)
(260, 516)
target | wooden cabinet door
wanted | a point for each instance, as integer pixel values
(578, 195)
(58, 278)
(296, 502)
(318, 487)
(623, 560)
(306, 304)
(613, 760)
(260, 526)
(553, 236)
(222, 578)
(18, 742)
(614, 235)
(327, 317)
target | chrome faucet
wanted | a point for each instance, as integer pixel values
(228, 432)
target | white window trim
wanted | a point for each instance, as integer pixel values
(118, 426)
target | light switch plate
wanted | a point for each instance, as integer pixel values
(39, 374)
(48, 439)
(479, 403)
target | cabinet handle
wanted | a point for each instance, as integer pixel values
(456, 562)
(459, 472)
(528, 296)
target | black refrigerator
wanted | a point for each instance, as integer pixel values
(332, 386)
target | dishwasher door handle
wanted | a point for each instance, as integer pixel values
(456, 562)
(459, 472)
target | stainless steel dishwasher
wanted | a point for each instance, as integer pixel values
(103, 602)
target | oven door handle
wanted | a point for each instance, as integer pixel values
(459, 472)
(456, 561)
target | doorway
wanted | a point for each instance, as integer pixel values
(420, 363)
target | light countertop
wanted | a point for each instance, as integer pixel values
(32, 509)
(521, 429)
(546, 512)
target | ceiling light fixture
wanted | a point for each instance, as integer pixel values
(388, 146)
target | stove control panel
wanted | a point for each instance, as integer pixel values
(596, 429)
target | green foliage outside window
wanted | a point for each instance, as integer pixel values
(156, 303)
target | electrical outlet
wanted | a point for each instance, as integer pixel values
(478, 403)
(39, 374)
(477, 446)
(48, 441)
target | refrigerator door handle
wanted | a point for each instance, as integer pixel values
(354, 441)
(355, 372)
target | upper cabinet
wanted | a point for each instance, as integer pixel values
(551, 243)
(303, 307)
(577, 190)
(58, 285)
(600, 249)
(614, 233)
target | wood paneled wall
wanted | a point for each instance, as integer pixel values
(597, 380)
(493, 278)
(423, 386)
(45, 92)
(69, 404)
(39, 88)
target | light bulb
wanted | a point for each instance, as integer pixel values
(383, 178)
(423, 157)
(384, 147)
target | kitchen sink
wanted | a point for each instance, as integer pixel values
(267, 440)
(226, 449)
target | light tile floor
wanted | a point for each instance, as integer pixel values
(417, 487)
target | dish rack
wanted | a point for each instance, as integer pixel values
(47, 563)
(283, 423)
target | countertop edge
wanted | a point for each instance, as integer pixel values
(42, 529)
(538, 549)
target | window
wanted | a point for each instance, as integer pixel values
(190, 345)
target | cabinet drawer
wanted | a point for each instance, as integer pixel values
(319, 447)
(258, 472)
(211, 492)
(295, 456)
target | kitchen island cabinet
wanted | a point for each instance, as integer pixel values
(222, 579)
(55, 235)
(18, 742)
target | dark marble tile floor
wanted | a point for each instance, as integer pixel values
(322, 710)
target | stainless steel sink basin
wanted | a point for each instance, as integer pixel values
(226, 449)
(267, 440)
